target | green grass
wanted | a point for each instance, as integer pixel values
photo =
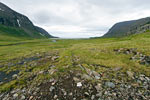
(89, 52)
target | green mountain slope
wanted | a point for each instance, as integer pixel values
(129, 27)
(12, 19)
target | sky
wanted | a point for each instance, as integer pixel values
(79, 18)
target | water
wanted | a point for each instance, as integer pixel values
(7, 77)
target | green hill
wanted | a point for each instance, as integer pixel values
(129, 27)
(18, 23)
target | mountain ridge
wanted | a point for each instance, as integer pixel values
(11, 18)
(129, 27)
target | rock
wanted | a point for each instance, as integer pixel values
(55, 96)
(93, 97)
(98, 87)
(15, 96)
(148, 79)
(79, 84)
(89, 72)
(14, 76)
(76, 79)
(41, 72)
(99, 94)
(86, 94)
(22, 97)
(71, 94)
(51, 88)
(130, 74)
(100, 99)
(87, 77)
(110, 84)
(96, 75)
(51, 71)
(31, 97)
(54, 58)
(117, 69)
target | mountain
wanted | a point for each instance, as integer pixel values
(12, 20)
(129, 27)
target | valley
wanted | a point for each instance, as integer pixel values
(87, 69)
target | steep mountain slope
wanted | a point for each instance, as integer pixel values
(129, 27)
(12, 19)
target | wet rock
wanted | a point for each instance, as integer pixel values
(14, 76)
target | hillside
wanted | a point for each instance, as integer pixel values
(129, 27)
(90, 69)
(13, 20)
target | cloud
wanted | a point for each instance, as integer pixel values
(80, 18)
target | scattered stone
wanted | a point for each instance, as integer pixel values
(93, 97)
(55, 96)
(110, 84)
(31, 97)
(22, 97)
(86, 94)
(87, 77)
(15, 96)
(79, 84)
(51, 88)
(76, 79)
(130, 74)
(98, 87)
(14, 76)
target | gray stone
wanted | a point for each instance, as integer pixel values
(15, 95)
(87, 77)
(110, 84)
(22, 97)
(14, 76)
(79, 84)
(86, 93)
(130, 74)
(51, 88)
(98, 87)
(76, 79)
(93, 97)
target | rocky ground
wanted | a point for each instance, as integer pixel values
(83, 83)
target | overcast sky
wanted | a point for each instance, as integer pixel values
(79, 18)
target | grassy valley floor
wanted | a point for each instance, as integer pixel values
(81, 69)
